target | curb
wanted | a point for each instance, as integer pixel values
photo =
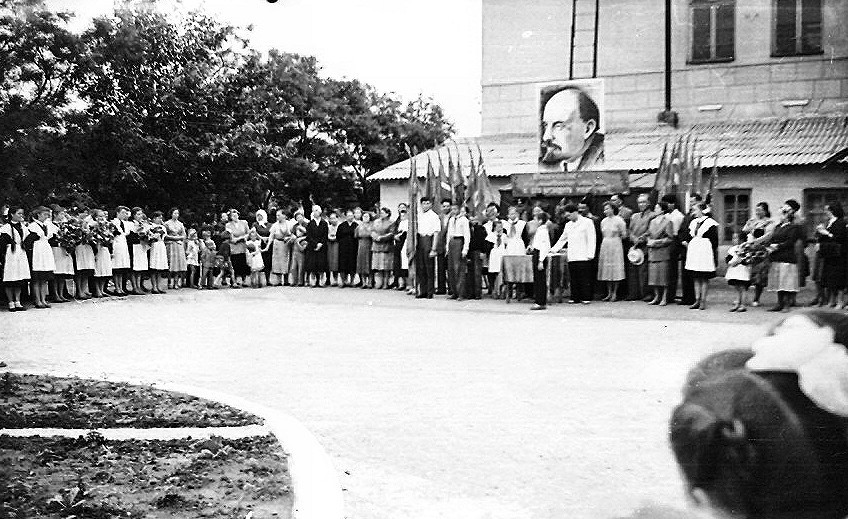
(315, 483)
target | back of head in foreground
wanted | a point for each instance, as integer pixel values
(763, 434)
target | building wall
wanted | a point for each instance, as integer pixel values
(526, 43)
(393, 192)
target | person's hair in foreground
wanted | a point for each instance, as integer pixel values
(763, 433)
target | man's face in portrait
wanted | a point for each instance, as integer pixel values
(564, 134)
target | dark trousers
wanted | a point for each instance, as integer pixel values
(474, 281)
(540, 280)
(673, 271)
(456, 267)
(424, 266)
(687, 283)
(441, 273)
(637, 279)
(580, 273)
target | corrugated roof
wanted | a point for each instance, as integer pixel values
(766, 142)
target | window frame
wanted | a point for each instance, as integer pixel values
(811, 214)
(722, 220)
(799, 34)
(713, 6)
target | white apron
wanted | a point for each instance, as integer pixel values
(699, 253)
(16, 266)
(42, 252)
(61, 258)
(120, 250)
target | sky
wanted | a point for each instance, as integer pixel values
(408, 47)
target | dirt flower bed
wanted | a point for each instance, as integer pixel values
(73, 403)
(91, 477)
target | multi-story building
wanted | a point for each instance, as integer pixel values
(762, 82)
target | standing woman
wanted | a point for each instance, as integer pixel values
(363, 251)
(783, 274)
(701, 253)
(84, 255)
(758, 231)
(263, 229)
(333, 276)
(121, 259)
(138, 237)
(346, 236)
(105, 237)
(175, 236)
(43, 263)
(15, 265)
(831, 239)
(280, 249)
(382, 255)
(315, 262)
(61, 258)
(660, 238)
(238, 230)
(611, 255)
(158, 259)
(401, 256)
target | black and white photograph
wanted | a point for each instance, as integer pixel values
(407, 259)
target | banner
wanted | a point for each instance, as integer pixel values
(572, 183)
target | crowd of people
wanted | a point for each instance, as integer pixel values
(54, 254)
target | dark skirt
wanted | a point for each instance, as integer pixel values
(315, 261)
(697, 274)
(42, 275)
(739, 283)
(363, 257)
(266, 259)
(239, 263)
(658, 272)
(760, 273)
(85, 272)
(347, 256)
(832, 273)
(333, 256)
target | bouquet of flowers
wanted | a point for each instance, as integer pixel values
(155, 233)
(143, 233)
(71, 233)
(104, 234)
(752, 253)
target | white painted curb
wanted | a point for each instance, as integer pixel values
(315, 483)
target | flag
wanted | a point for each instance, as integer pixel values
(488, 194)
(661, 180)
(412, 213)
(713, 180)
(431, 183)
(471, 183)
(458, 180)
(445, 190)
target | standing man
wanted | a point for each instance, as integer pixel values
(442, 249)
(579, 235)
(584, 210)
(623, 211)
(459, 241)
(637, 274)
(477, 252)
(676, 218)
(429, 227)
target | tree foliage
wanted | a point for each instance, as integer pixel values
(154, 110)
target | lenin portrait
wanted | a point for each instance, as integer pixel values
(570, 127)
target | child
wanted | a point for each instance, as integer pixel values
(84, 255)
(43, 262)
(192, 252)
(105, 233)
(222, 262)
(761, 432)
(254, 258)
(207, 262)
(738, 275)
(61, 258)
(298, 251)
(158, 262)
(498, 241)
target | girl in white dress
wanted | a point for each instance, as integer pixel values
(43, 263)
(15, 264)
(84, 254)
(61, 258)
(140, 244)
(498, 240)
(121, 260)
(158, 261)
(254, 258)
(103, 257)
(701, 251)
(192, 255)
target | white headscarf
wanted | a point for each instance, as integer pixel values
(261, 216)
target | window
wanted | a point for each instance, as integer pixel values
(736, 210)
(815, 201)
(713, 27)
(797, 27)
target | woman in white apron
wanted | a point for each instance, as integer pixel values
(84, 254)
(15, 264)
(62, 259)
(103, 256)
(43, 263)
(701, 253)
(121, 262)
(140, 266)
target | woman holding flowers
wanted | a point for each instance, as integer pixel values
(43, 263)
(104, 234)
(140, 243)
(61, 257)
(84, 254)
(15, 265)
(121, 259)
(175, 236)
(158, 260)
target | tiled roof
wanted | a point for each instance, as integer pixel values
(764, 142)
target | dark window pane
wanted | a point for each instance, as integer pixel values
(811, 25)
(724, 31)
(785, 27)
(700, 33)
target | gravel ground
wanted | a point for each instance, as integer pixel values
(429, 408)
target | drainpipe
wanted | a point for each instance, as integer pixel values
(667, 115)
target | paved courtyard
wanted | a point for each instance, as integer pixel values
(429, 409)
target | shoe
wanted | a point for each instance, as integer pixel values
(429, 296)
(741, 309)
(452, 297)
(702, 306)
(755, 304)
(663, 303)
(695, 306)
(777, 308)
(573, 302)
(734, 309)
(538, 307)
(654, 302)
(647, 299)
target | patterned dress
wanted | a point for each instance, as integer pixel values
(611, 257)
(176, 246)
(363, 254)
